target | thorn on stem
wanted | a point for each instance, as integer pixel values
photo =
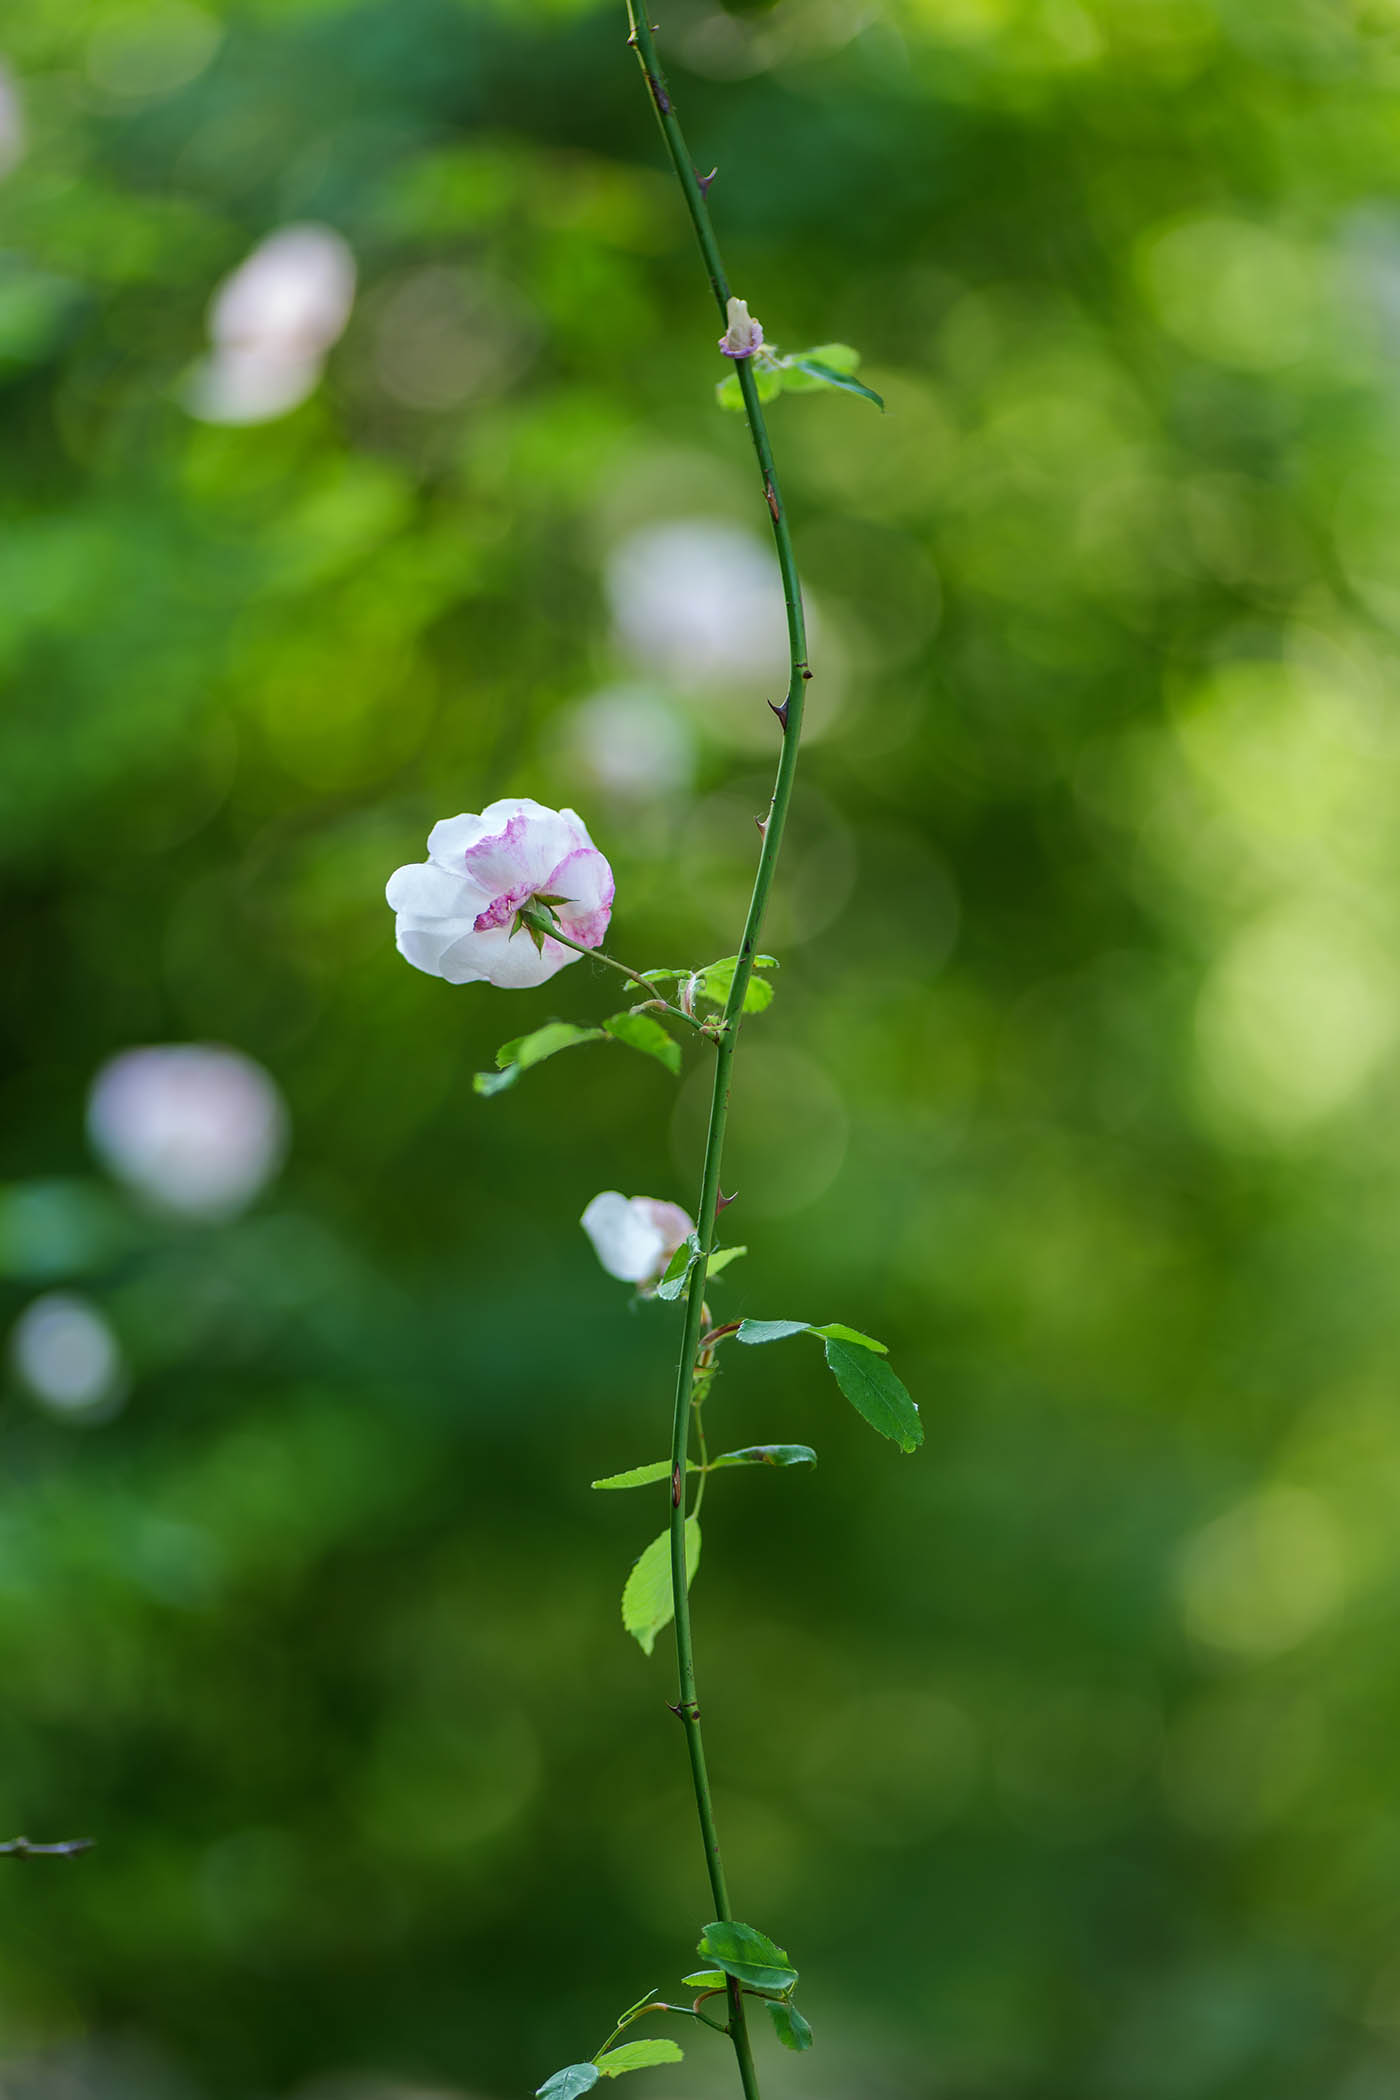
(774, 506)
(722, 1202)
(762, 823)
(702, 182)
(781, 713)
(675, 1487)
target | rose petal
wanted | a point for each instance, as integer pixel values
(674, 1225)
(625, 1240)
(520, 852)
(425, 891)
(510, 961)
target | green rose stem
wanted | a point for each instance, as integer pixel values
(545, 923)
(790, 717)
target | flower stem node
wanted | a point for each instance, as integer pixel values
(744, 334)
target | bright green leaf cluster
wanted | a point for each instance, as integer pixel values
(802, 372)
(716, 981)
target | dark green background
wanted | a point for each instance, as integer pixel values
(1062, 1756)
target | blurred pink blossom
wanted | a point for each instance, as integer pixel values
(635, 1236)
(63, 1350)
(271, 322)
(196, 1128)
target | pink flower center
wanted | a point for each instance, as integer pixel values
(503, 908)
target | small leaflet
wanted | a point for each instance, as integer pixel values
(646, 1600)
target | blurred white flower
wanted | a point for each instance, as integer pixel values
(697, 599)
(699, 603)
(196, 1128)
(271, 323)
(632, 744)
(249, 386)
(457, 910)
(14, 136)
(744, 334)
(62, 1348)
(635, 1236)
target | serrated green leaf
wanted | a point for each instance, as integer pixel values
(678, 1268)
(793, 2031)
(636, 2056)
(874, 1391)
(716, 981)
(638, 1476)
(837, 1333)
(721, 1257)
(730, 394)
(819, 374)
(568, 2083)
(643, 1032)
(705, 1980)
(532, 1049)
(771, 1330)
(747, 1955)
(762, 1455)
(646, 1600)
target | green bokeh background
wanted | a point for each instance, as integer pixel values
(1062, 1755)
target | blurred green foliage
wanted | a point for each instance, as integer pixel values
(1061, 1754)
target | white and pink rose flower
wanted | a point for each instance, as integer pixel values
(457, 913)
